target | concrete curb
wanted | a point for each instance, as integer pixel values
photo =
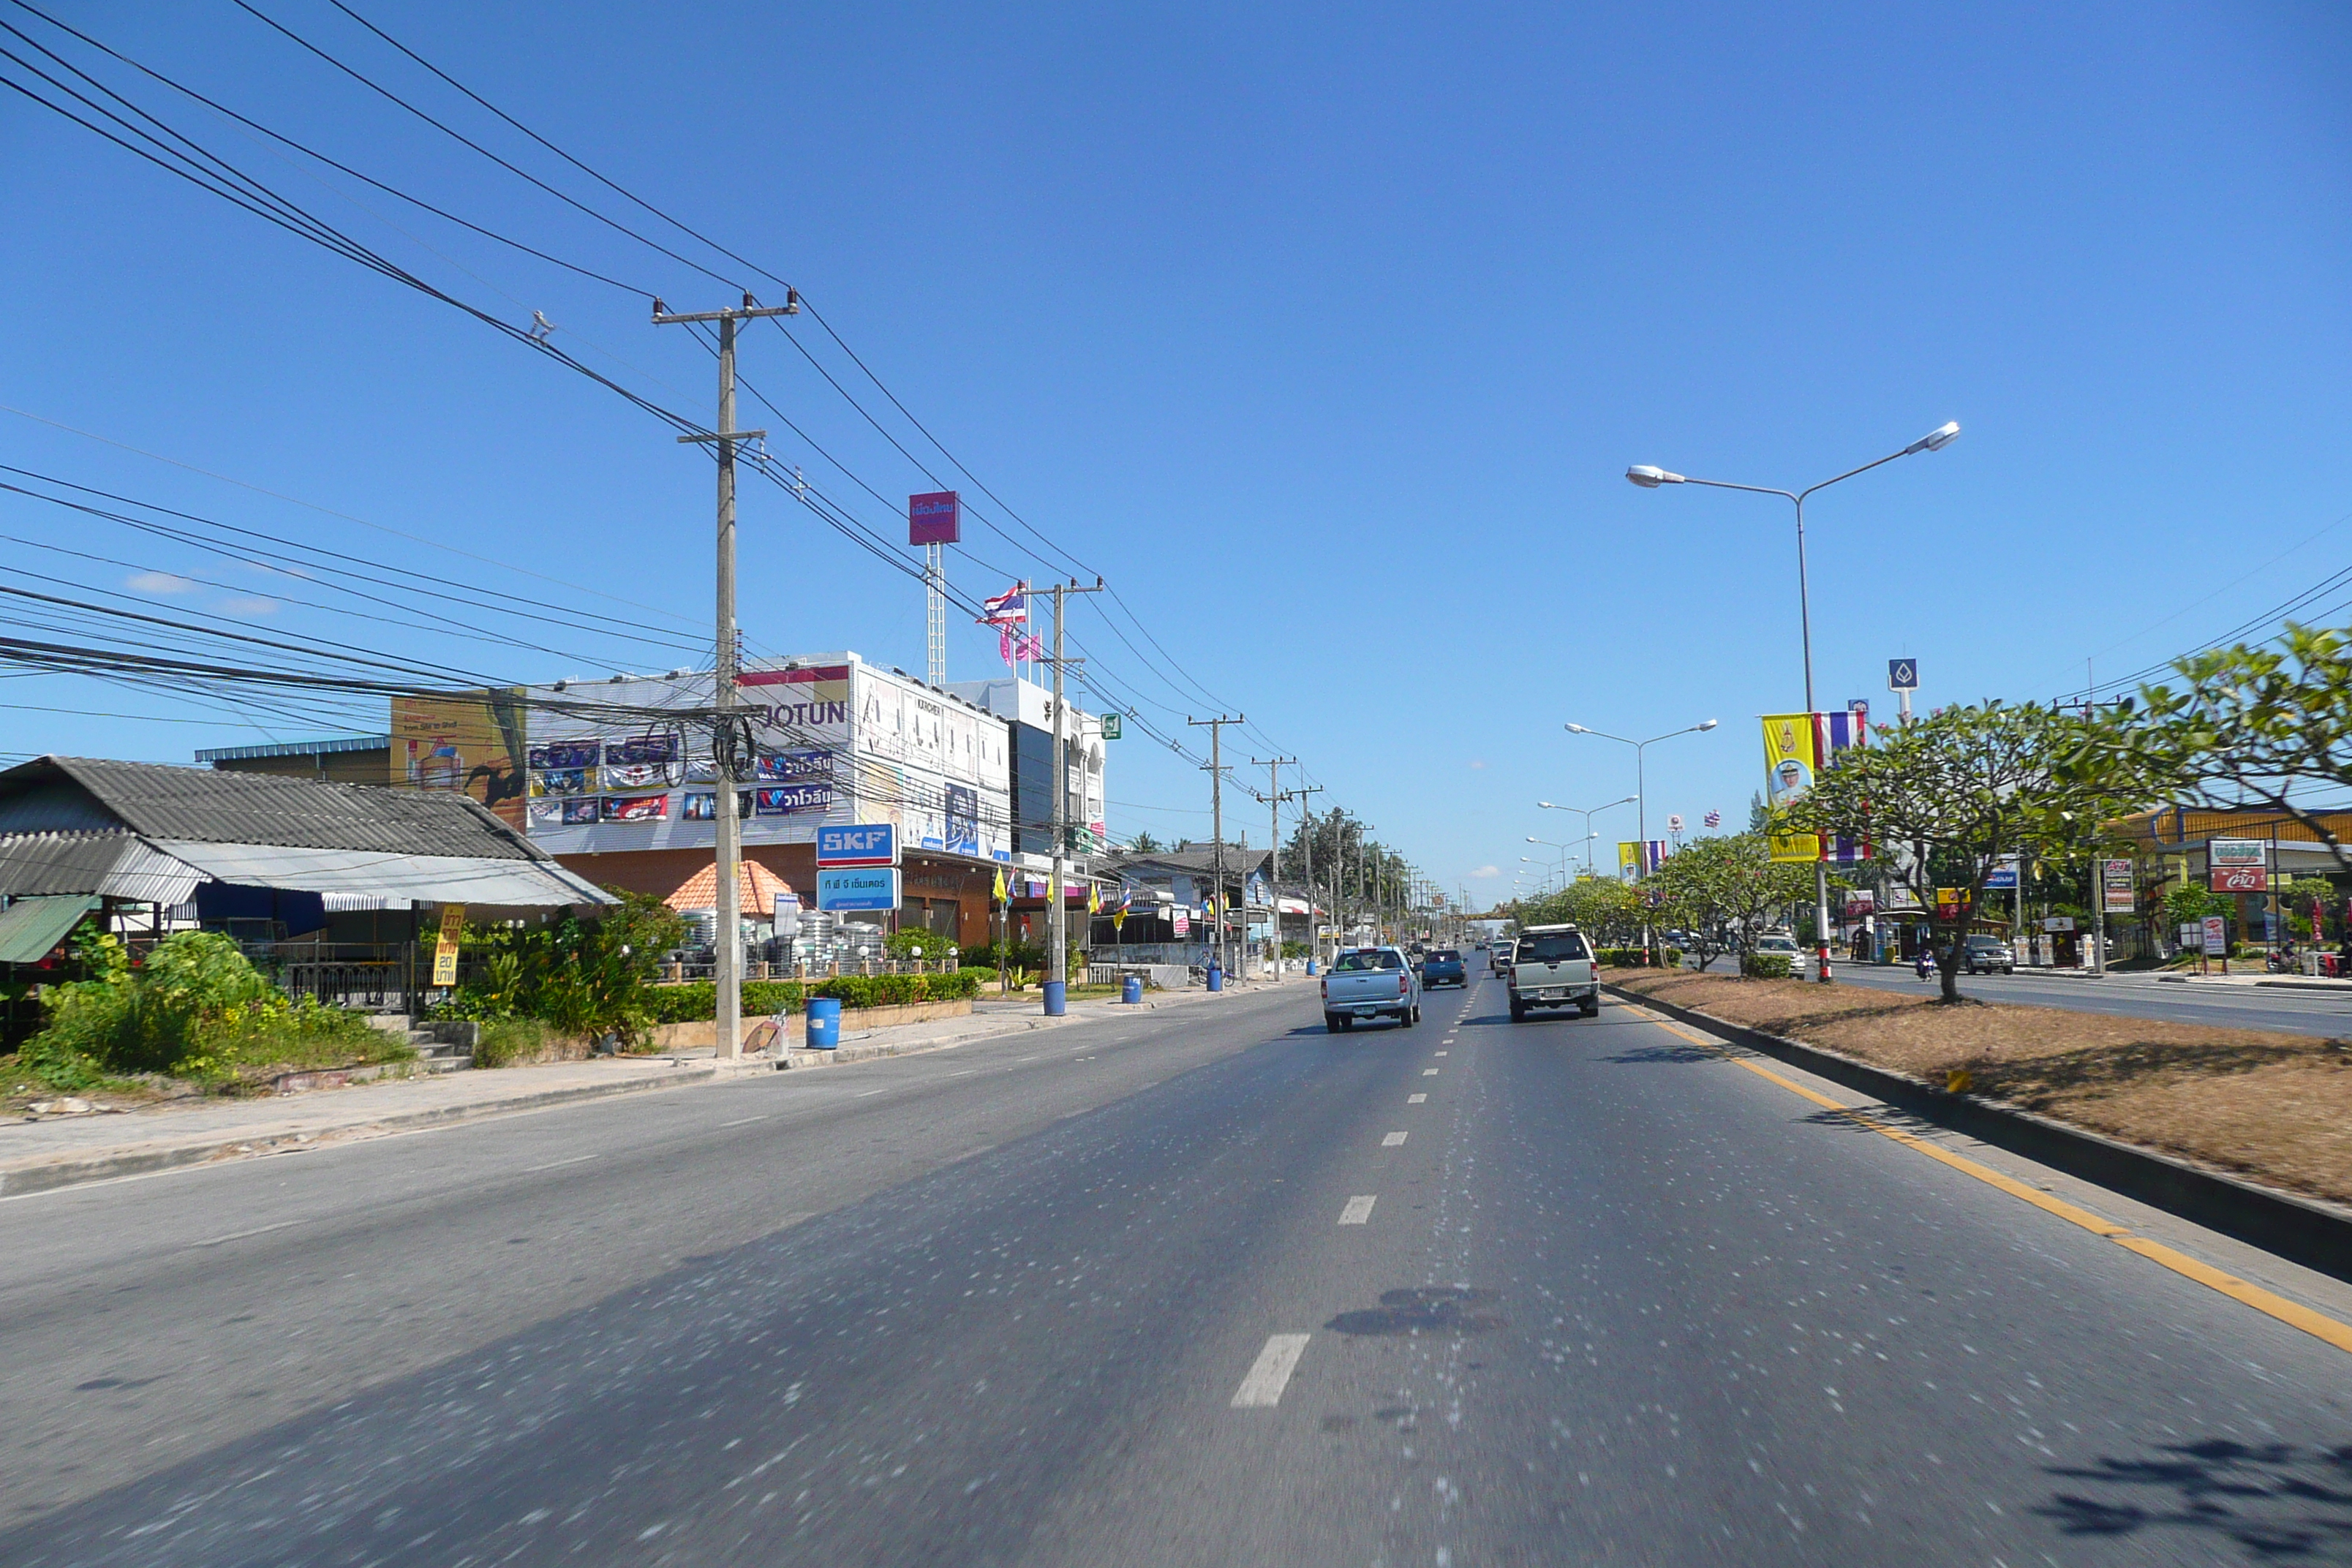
(47, 1176)
(2309, 1231)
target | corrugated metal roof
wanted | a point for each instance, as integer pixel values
(51, 795)
(390, 881)
(29, 928)
(334, 747)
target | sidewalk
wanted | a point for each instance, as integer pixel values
(60, 1152)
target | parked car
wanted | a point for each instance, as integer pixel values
(1370, 983)
(1552, 967)
(1442, 966)
(1983, 955)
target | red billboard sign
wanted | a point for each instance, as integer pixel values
(2241, 879)
(934, 519)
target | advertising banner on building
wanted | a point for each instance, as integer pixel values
(636, 808)
(702, 805)
(782, 800)
(469, 743)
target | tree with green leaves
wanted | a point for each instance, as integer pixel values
(1726, 891)
(2268, 726)
(1143, 844)
(1955, 792)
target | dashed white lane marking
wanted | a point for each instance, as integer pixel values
(964, 1072)
(743, 1121)
(1414, 1099)
(551, 1165)
(861, 1094)
(1429, 1072)
(1262, 1389)
(1359, 1209)
(1441, 1053)
(287, 1224)
(1390, 1140)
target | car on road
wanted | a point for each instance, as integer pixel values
(1370, 983)
(1983, 955)
(1499, 960)
(1442, 966)
(1552, 967)
(1781, 942)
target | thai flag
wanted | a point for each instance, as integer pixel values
(1715, 819)
(1010, 608)
(1832, 733)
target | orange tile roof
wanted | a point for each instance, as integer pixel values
(756, 889)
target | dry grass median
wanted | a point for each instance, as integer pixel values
(2275, 1107)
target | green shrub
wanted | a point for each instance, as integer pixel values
(196, 1008)
(506, 1041)
(1767, 965)
(583, 978)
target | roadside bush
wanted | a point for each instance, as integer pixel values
(697, 1001)
(197, 1009)
(1017, 955)
(1767, 965)
(506, 1041)
(579, 977)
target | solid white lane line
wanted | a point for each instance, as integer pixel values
(551, 1165)
(1414, 1099)
(742, 1121)
(1359, 1209)
(1390, 1140)
(1262, 1389)
(1429, 1072)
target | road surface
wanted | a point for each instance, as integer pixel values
(1204, 1285)
(2291, 1010)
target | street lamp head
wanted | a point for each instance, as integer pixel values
(1650, 478)
(1708, 725)
(1575, 728)
(1547, 805)
(1936, 440)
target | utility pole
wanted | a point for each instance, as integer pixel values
(1216, 771)
(1306, 836)
(1058, 920)
(1274, 766)
(727, 941)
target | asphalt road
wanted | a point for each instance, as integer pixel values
(1206, 1286)
(2327, 1014)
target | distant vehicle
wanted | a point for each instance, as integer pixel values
(1983, 955)
(1499, 960)
(1370, 983)
(1552, 967)
(1442, 966)
(1778, 941)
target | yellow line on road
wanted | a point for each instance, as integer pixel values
(2268, 1303)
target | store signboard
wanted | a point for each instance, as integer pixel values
(2217, 934)
(857, 844)
(2241, 880)
(857, 888)
(2116, 886)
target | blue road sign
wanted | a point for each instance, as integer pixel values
(859, 844)
(1902, 675)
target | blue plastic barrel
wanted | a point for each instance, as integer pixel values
(1311, 969)
(1216, 978)
(825, 1023)
(1130, 989)
(1058, 998)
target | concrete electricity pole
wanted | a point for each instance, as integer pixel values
(1274, 766)
(1216, 771)
(1057, 919)
(727, 940)
(1307, 822)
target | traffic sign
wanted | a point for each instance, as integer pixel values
(1113, 726)
(1902, 675)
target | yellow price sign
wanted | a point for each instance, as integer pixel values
(445, 951)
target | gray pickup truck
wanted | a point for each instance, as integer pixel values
(1552, 967)
(1370, 983)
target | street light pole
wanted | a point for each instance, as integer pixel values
(1649, 479)
(1640, 795)
(1586, 812)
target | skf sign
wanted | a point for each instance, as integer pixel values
(859, 844)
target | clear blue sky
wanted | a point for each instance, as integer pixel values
(1326, 333)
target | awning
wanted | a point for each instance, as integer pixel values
(388, 881)
(29, 928)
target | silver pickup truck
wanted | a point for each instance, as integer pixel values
(1552, 967)
(1370, 983)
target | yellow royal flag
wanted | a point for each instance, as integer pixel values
(1788, 764)
(1094, 898)
(998, 892)
(1629, 859)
